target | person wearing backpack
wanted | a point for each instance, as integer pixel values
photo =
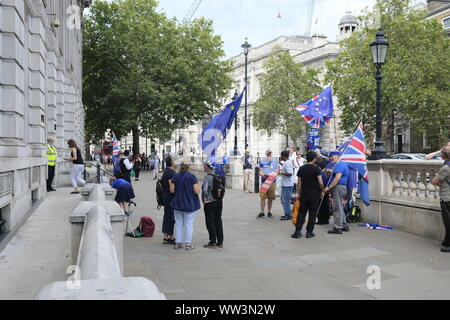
(212, 195)
(442, 180)
(168, 219)
(125, 166)
(185, 203)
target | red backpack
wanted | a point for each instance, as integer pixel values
(146, 226)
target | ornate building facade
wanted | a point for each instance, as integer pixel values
(40, 96)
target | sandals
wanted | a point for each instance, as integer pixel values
(189, 247)
(168, 241)
(178, 245)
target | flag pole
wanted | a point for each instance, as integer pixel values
(331, 173)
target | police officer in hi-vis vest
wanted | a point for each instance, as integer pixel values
(51, 162)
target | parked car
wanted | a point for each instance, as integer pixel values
(409, 156)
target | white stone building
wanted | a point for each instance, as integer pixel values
(40, 96)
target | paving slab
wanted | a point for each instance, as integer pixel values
(259, 259)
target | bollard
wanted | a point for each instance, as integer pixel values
(98, 173)
(257, 179)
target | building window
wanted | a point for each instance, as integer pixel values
(446, 22)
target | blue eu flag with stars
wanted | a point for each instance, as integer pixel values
(318, 111)
(216, 130)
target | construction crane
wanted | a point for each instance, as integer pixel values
(192, 10)
(309, 17)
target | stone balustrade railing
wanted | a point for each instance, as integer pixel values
(97, 249)
(403, 197)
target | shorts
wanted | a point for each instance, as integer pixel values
(270, 194)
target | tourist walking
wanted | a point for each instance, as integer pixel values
(287, 185)
(247, 163)
(185, 203)
(137, 166)
(268, 165)
(310, 187)
(51, 163)
(168, 219)
(124, 193)
(338, 186)
(212, 208)
(442, 180)
(125, 166)
(78, 166)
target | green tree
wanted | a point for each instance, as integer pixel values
(416, 75)
(144, 72)
(285, 85)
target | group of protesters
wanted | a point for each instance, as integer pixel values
(318, 180)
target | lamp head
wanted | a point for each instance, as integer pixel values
(379, 48)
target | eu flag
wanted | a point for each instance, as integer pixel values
(318, 111)
(216, 130)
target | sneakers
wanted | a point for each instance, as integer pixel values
(261, 215)
(445, 249)
(346, 228)
(270, 215)
(286, 218)
(310, 235)
(335, 231)
(210, 245)
(220, 245)
(296, 235)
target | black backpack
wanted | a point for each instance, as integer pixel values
(218, 189)
(159, 194)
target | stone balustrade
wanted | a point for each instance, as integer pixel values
(403, 197)
(97, 249)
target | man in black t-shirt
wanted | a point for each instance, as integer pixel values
(309, 189)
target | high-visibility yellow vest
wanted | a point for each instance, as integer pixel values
(51, 155)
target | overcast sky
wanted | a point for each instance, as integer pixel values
(257, 19)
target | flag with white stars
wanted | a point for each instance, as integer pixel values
(318, 111)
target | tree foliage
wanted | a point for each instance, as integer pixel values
(285, 85)
(416, 75)
(144, 72)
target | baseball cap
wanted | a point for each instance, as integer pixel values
(268, 151)
(334, 153)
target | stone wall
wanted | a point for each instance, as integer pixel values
(40, 96)
(402, 196)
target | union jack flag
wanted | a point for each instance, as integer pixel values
(318, 111)
(353, 153)
(116, 147)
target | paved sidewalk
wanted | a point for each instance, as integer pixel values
(40, 252)
(259, 259)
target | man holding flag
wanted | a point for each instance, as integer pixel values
(338, 188)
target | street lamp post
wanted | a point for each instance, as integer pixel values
(246, 47)
(379, 49)
(235, 127)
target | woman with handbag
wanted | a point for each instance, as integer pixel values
(78, 165)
